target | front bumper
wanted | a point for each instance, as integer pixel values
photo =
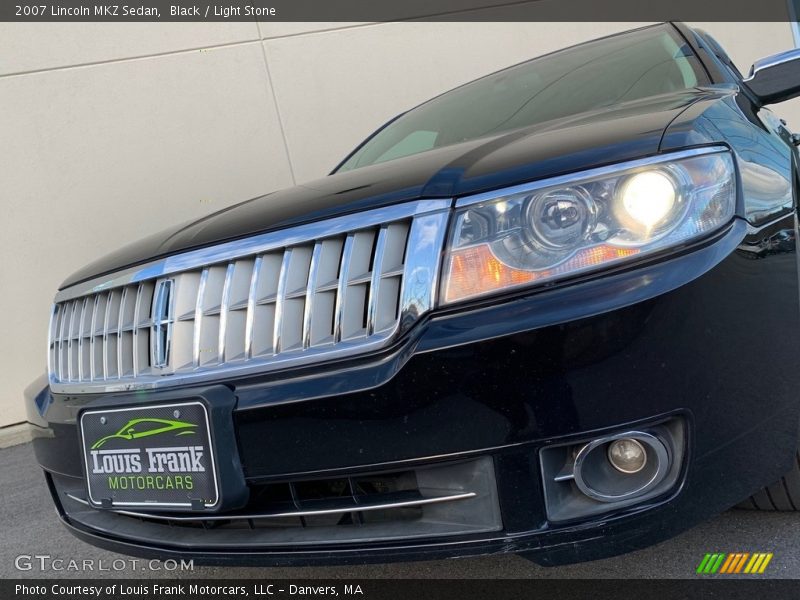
(706, 337)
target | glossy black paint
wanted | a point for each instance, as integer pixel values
(706, 332)
(623, 132)
(702, 351)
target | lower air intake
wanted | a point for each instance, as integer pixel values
(448, 499)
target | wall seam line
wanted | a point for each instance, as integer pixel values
(325, 30)
(130, 58)
(271, 86)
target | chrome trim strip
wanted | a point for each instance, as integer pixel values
(137, 307)
(61, 342)
(198, 318)
(120, 319)
(283, 515)
(162, 319)
(341, 290)
(310, 293)
(80, 337)
(223, 312)
(375, 281)
(93, 325)
(106, 320)
(251, 308)
(772, 61)
(585, 175)
(73, 308)
(51, 340)
(280, 300)
(420, 283)
(229, 371)
(257, 244)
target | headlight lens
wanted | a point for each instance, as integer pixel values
(586, 222)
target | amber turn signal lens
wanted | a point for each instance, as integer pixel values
(475, 271)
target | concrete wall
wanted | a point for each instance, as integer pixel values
(110, 131)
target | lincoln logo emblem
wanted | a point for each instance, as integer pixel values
(161, 338)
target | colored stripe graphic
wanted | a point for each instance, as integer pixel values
(764, 564)
(736, 562)
(742, 560)
(717, 564)
(751, 564)
(711, 563)
(730, 561)
(758, 562)
(701, 568)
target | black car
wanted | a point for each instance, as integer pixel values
(524, 316)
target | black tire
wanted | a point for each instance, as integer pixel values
(783, 495)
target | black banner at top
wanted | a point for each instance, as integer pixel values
(395, 10)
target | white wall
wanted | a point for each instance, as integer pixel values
(110, 131)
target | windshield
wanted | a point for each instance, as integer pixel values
(597, 74)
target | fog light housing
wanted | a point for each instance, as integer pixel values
(607, 472)
(627, 455)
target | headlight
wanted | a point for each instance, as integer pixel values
(560, 227)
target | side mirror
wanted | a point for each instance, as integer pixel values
(775, 78)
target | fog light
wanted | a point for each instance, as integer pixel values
(610, 469)
(587, 477)
(627, 455)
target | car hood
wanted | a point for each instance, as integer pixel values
(617, 133)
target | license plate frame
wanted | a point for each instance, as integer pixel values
(166, 475)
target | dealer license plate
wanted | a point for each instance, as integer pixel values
(149, 456)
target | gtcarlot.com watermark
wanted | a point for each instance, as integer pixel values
(48, 563)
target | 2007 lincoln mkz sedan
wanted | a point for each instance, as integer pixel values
(554, 311)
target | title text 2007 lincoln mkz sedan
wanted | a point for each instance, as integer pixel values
(553, 311)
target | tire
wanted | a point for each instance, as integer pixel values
(782, 495)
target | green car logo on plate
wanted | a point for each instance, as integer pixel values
(139, 428)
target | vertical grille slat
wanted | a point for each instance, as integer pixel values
(325, 292)
(263, 330)
(61, 341)
(81, 327)
(341, 292)
(198, 318)
(137, 308)
(106, 344)
(388, 293)
(251, 308)
(223, 312)
(238, 298)
(52, 341)
(120, 322)
(354, 315)
(70, 317)
(93, 340)
(281, 305)
(280, 301)
(375, 281)
(311, 293)
(212, 316)
(75, 337)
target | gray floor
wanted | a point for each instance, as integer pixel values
(30, 527)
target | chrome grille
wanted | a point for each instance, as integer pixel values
(342, 289)
(102, 336)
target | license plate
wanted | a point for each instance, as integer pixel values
(149, 456)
